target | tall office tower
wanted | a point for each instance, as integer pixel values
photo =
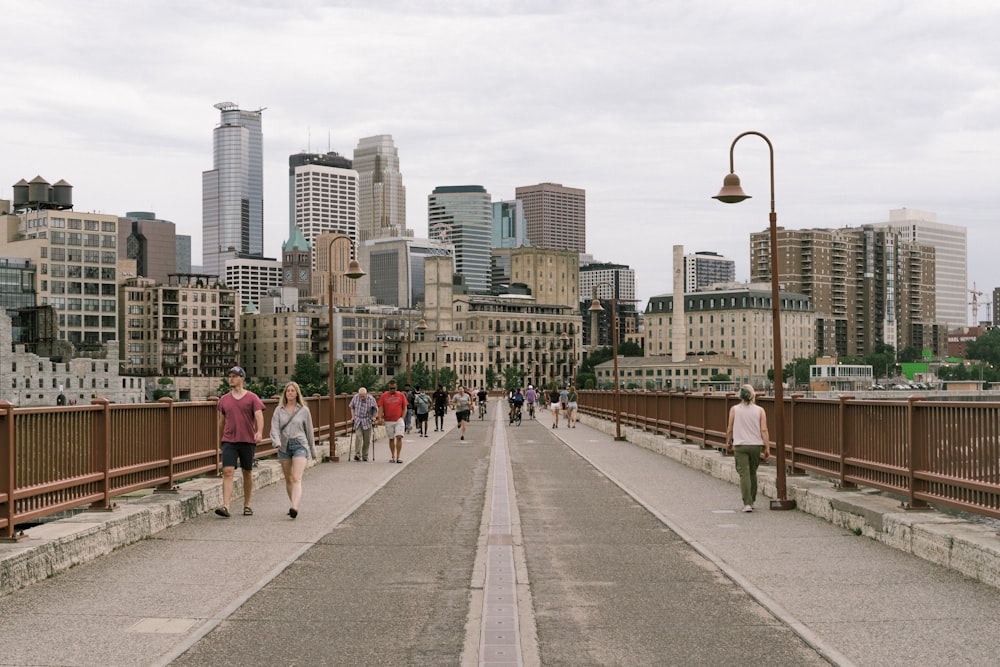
(702, 269)
(950, 243)
(395, 269)
(509, 227)
(232, 199)
(151, 243)
(462, 216)
(607, 281)
(556, 216)
(183, 253)
(381, 195)
(322, 196)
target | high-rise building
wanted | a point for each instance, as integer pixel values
(951, 248)
(233, 190)
(322, 196)
(462, 215)
(252, 278)
(607, 281)
(556, 216)
(395, 269)
(510, 229)
(702, 269)
(381, 195)
(151, 242)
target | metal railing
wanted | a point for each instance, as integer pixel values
(61, 458)
(941, 452)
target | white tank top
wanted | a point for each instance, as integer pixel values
(746, 424)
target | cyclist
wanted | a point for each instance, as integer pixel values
(530, 397)
(516, 401)
(481, 397)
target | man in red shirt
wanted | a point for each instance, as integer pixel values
(241, 427)
(391, 410)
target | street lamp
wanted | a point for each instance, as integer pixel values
(565, 338)
(353, 272)
(732, 193)
(595, 307)
(421, 326)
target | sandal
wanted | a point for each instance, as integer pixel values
(247, 511)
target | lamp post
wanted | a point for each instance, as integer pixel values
(353, 272)
(595, 307)
(732, 193)
(566, 338)
(437, 355)
(421, 326)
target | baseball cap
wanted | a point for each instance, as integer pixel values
(236, 370)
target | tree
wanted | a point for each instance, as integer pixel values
(511, 378)
(307, 374)
(447, 377)
(491, 377)
(796, 372)
(986, 348)
(366, 376)
(630, 349)
(909, 355)
(420, 376)
(165, 388)
(882, 360)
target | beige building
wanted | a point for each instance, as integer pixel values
(555, 216)
(694, 373)
(735, 321)
(552, 276)
(188, 327)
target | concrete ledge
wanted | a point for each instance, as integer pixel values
(56, 546)
(969, 548)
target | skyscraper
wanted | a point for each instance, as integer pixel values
(322, 196)
(702, 269)
(556, 216)
(381, 195)
(232, 200)
(462, 215)
(509, 228)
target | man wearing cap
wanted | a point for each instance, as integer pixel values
(241, 427)
(391, 408)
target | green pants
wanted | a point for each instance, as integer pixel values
(747, 459)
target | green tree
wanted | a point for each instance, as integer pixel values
(420, 376)
(307, 374)
(986, 348)
(910, 354)
(630, 349)
(447, 377)
(882, 360)
(166, 388)
(797, 372)
(512, 378)
(365, 375)
(491, 377)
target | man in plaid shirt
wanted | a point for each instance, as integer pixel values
(363, 409)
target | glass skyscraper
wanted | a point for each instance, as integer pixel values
(462, 216)
(381, 195)
(232, 201)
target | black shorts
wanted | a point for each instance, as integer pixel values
(462, 416)
(238, 452)
(439, 410)
(421, 417)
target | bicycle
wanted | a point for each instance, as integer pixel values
(482, 409)
(515, 418)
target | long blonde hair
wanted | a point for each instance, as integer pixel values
(298, 394)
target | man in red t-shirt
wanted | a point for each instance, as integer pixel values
(241, 427)
(391, 409)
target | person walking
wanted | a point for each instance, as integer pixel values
(363, 410)
(408, 418)
(440, 407)
(241, 427)
(461, 403)
(571, 406)
(391, 408)
(292, 434)
(530, 396)
(554, 405)
(746, 440)
(422, 407)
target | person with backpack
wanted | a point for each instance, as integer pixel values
(422, 408)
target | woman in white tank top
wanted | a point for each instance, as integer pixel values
(746, 440)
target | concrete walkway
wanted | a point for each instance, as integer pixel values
(862, 583)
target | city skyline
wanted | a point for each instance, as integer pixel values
(641, 115)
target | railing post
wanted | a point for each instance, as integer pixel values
(100, 434)
(8, 479)
(167, 404)
(914, 460)
(843, 445)
(684, 431)
(705, 444)
(790, 435)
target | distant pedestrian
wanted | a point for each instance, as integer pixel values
(241, 427)
(571, 407)
(408, 418)
(461, 403)
(292, 434)
(392, 408)
(554, 405)
(422, 407)
(746, 440)
(363, 411)
(440, 407)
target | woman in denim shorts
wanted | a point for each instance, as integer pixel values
(291, 434)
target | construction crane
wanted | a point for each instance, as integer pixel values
(975, 304)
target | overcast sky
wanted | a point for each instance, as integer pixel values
(870, 106)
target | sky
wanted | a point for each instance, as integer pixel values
(870, 106)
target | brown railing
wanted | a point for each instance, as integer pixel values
(56, 459)
(942, 452)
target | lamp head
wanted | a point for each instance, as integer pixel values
(595, 306)
(422, 325)
(354, 270)
(731, 192)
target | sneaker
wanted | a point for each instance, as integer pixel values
(748, 508)
(461, 437)
(357, 457)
